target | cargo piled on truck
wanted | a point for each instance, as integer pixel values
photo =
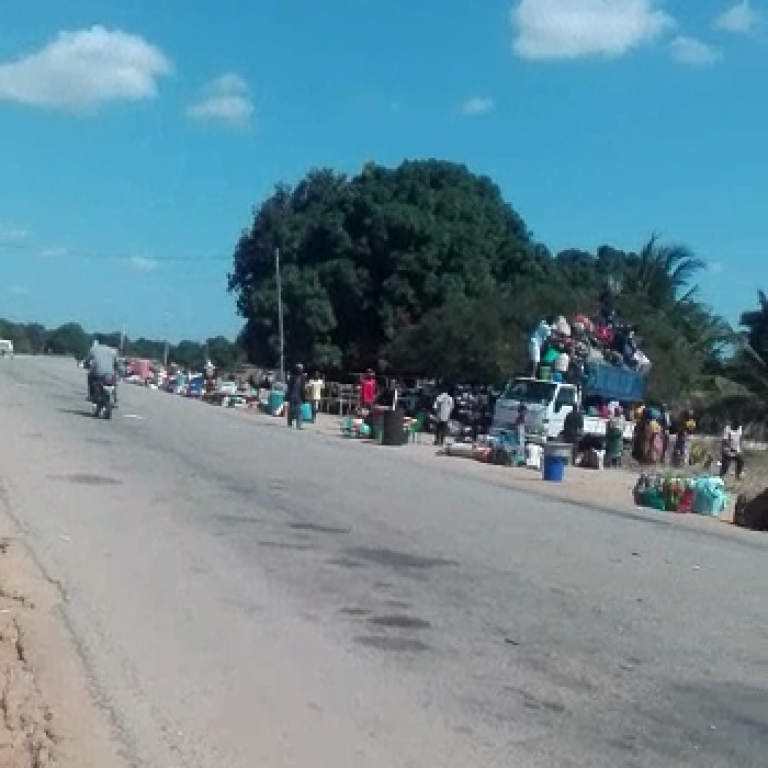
(592, 365)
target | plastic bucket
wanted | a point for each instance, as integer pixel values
(554, 469)
(275, 402)
(306, 412)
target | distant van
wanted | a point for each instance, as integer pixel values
(6, 348)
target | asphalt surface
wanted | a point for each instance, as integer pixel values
(245, 595)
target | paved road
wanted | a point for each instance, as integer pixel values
(244, 595)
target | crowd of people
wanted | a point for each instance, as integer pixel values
(660, 439)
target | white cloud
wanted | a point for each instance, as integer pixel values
(141, 264)
(715, 267)
(10, 235)
(80, 70)
(477, 105)
(740, 19)
(570, 29)
(227, 99)
(694, 53)
(18, 291)
(55, 252)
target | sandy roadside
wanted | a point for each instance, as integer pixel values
(607, 489)
(48, 718)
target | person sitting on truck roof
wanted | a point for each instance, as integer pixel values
(540, 335)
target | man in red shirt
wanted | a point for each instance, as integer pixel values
(368, 390)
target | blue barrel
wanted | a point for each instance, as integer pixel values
(556, 457)
(275, 401)
(306, 412)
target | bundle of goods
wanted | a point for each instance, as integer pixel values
(703, 495)
(603, 340)
(507, 451)
(353, 426)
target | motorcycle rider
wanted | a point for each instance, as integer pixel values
(102, 364)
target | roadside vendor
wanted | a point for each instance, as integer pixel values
(681, 456)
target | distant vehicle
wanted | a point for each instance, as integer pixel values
(6, 348)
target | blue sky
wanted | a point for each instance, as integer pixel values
(137, 137)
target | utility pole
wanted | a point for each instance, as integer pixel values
(280, 314)
(166, 318)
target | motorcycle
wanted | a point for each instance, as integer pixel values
(104, 398)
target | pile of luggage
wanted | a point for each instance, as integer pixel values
(564, 350)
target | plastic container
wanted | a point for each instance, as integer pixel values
(556, 458)
(275, 402)
(393, 427)
(554, 469)
(533, 456)
(306, 412)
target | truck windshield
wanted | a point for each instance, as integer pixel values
(530, 391)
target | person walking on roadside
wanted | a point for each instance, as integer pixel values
(443, 410)
(295, 394)
(731, 450)
(316, 394)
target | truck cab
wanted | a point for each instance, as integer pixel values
(547, 403)
(6, 348)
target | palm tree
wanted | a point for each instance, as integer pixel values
(755, 322)
(664, 275)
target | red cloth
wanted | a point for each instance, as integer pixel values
(368, 391)
(605, 335)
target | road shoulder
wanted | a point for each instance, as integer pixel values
(49, 717)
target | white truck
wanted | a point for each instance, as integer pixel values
(6, 348)
(547, 403)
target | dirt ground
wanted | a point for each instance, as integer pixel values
(27, 737)
(47, 716)
(607, 488)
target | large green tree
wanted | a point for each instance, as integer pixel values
(365, 258)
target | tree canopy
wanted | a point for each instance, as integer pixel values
(426, 269)
(364, 258)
